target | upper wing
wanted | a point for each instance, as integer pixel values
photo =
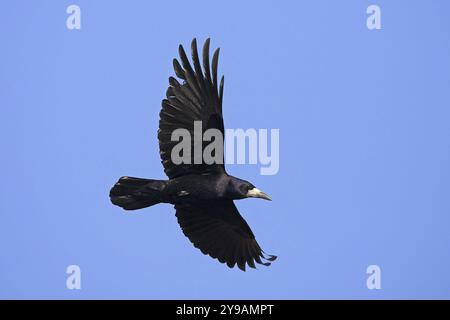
(217, 229)
(196, 99)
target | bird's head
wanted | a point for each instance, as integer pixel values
(240, 189)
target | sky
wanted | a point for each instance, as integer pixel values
(363, 118)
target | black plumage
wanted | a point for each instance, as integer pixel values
(203, 194)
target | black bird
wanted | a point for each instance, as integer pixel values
(203, 194)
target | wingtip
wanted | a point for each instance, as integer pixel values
(206, 45)
(181, 51)
(178, 69)
(269, 257)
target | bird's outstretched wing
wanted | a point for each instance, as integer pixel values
(197, 98)
(218, 230)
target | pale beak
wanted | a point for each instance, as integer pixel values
(256, 193)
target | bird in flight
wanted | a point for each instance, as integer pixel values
(202, 192)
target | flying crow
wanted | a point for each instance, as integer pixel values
(203, 193)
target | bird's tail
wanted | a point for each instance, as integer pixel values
(136, 193)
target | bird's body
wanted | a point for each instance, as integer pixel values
(198, 188)
(190, 188)
(202, 192)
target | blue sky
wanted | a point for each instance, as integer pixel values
(364, 147)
